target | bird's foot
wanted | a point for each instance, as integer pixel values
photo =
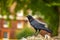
(35, 34)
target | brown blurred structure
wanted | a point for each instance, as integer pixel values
(10, 31)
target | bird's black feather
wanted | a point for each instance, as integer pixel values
(37, 25)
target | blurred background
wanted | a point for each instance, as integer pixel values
(13, 21)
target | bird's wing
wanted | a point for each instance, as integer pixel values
(36, 24)
(40, 26)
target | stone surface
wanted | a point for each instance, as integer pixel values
(39, 37)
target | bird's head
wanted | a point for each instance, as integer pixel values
(30, 18)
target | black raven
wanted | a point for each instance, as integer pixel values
(37, 25)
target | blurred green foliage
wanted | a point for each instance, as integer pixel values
(25, 32)
(48, 8)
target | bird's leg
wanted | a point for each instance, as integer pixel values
(37, 32)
